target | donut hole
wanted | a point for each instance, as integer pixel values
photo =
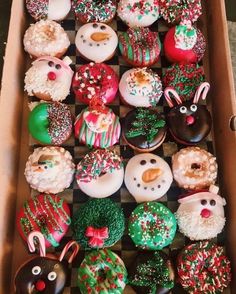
(195, 165)
(102, 275)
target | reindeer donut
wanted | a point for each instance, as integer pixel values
(189, 122)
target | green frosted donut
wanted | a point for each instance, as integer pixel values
(102, 272)
(152, 226)
(50, 123)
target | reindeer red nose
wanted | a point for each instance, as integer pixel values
(40, 285)
(190, 120)
(52, 76)
(205, 213)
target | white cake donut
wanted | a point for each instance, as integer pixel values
(147, 177)
(138, 13)
(96, 41)
(140, 87)
(49, 169)
(100, 173)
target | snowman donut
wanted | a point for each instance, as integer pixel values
(96, 41)
(147, 177)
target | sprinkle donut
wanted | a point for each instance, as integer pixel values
(140, 46)
(50, 123)
(102, 272)
(95, 80)
(96, 42)
(100, 173)
(94, 11)
(194, 168)
(46, 213)
(203, 268)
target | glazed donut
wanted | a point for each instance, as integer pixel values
(203, 268)
(194, 168)
(96, 42)
(93, 268)
(152, 226)
(140, 46)
(50, 123)
(46, 213)
(95, 80)
(100, 173)
(138, 13)
(49, 169)
(46, 38)
(140, 87)
(98, 223)
(48, 9)
(49, 78)
(94, 11)
(147, 177)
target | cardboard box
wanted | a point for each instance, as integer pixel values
(14, 135)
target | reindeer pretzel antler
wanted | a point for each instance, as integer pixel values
(167, 92)
(67, 247)
(41, 240)
(201, 92)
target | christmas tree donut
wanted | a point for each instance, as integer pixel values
(102, 271)
(98, 223)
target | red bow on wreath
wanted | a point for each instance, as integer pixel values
(96, 236)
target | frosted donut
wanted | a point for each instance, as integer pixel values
(140, 87)
(100, 173)
(147, 177)
(138, 13)
(46, 38)
(194, 168)
(49, 78)
(49, 169)
(48, 9)
(96, 41)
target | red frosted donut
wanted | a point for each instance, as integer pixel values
(95, 80)
(46, 213)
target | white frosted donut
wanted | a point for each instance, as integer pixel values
(138, 13)
(100, 173)
(194, 168)
(46, 38)
(147, 177)
(50, 169)
(140, 87)
(96, 41)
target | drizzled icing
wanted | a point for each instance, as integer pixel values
(185, 36)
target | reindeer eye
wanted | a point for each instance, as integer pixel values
(36, 270)
(183, 109)
(52, 276)
(193, 107)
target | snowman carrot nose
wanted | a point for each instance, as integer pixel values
(205, 213)
(151, 174)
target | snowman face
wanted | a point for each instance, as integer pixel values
(46, 165)
(147, 177)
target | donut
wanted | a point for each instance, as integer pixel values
(144, 129)
(98, 223)
(140, 46)
(49, 169)
(184, 44)
(174, 11)
(100, 173)
(138, 13)
(46, 213)
(48, 9)
(95, 80)
(49, 78)
(151, 272)
(200, 215)
(152, 226)
(194, 168)
(46, 38)
(102, 271)
(147, 177)
(50, 123)
(203, 268)
(184, 79)
(94, 11)
(97, 127)
(96, 41)
(140, 87)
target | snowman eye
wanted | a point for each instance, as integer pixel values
(193, 107)
(203, 202)
(153, 161)
(36, 270)
(52, 276)
(95, 25)
(45, 167)
(58, 66)
(143, 162)
(212, 202)
(102, 28)
(183, 109)
(51, 63)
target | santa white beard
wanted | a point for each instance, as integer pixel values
(196, 227)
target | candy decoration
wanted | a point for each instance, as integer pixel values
(96, 236)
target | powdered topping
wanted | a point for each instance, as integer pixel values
(97, 163)
(37, 9)
(185, 36)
